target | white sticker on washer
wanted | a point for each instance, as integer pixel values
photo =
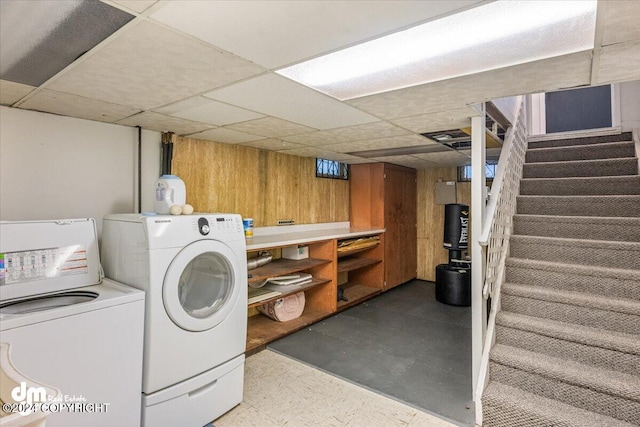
(40, 264)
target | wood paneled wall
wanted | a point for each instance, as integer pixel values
(431, 219)
(258, 184)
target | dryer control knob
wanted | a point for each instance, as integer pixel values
(203, 225)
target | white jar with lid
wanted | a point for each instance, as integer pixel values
(170, 190)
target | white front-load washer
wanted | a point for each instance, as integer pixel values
(194, 272)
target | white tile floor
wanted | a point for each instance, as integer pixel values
(279, 391)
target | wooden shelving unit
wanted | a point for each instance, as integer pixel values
(364, 267)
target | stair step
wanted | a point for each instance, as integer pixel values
(578, 227)
(506, 406)
(611, 314)
(609, 150)
(624, 136)
(612, 282)
(624, 255)
(612, 206)
(616, 351)
(607, 185)
(577, 168)
(610, 393)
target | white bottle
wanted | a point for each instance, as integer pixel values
(170, 190)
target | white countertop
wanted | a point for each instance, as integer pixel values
(289, 235)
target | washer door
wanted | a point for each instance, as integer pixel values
(200, 286)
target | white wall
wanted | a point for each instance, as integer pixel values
(55, 167)
(630, 105)
(507, 106)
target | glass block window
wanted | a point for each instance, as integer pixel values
(464, 172)
(331, 169)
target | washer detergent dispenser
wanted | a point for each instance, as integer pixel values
(453, 280)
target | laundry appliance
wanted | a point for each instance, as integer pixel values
(193, 269)
(66, 327)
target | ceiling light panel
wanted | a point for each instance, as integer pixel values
(40, 37)
(76, 106)
(205, 110)
(150, 66)
(495, 35)
(278, 33)
(280, 97)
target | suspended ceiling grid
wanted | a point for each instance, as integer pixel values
(206, 70)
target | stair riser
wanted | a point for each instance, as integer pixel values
(586, 316)
(580, 397)
(581, 169)
(581, 255)
(626, 136)
(581, 187)
(608, 286)
(578, 230)
(580, 206)
(591, 152)
(556, 347)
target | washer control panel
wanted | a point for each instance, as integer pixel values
(212, 225)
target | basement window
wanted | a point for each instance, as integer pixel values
(331, 169)
(464, 172)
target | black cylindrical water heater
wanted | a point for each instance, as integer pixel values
(456, 226)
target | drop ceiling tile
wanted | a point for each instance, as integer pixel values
(138, 6)
(205, 110)
(11, 92)
(433, 122)
(316, 152)
(533, 77)
(271, 127)
(149, 66)
(619, 62)
(272, 144)
(382, 143)
(228, 136)
(162, 123)
(349, 133)
(76, 106)
(406, 160)
(276, 33)
(621, 20)
(280, 97)
(447, 158)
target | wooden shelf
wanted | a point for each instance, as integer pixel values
(350, 264)
(283, 266)
(288, 290)
(263, 330)
(356, 250)
(356, 294)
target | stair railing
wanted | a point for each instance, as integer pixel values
(496, 230)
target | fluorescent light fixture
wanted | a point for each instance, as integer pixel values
(488, 37)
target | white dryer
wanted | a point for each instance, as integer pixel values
(194, 272)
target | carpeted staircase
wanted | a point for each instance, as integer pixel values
(567, 349)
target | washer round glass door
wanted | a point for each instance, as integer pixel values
(200, 287)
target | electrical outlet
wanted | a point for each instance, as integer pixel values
(286, 222)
